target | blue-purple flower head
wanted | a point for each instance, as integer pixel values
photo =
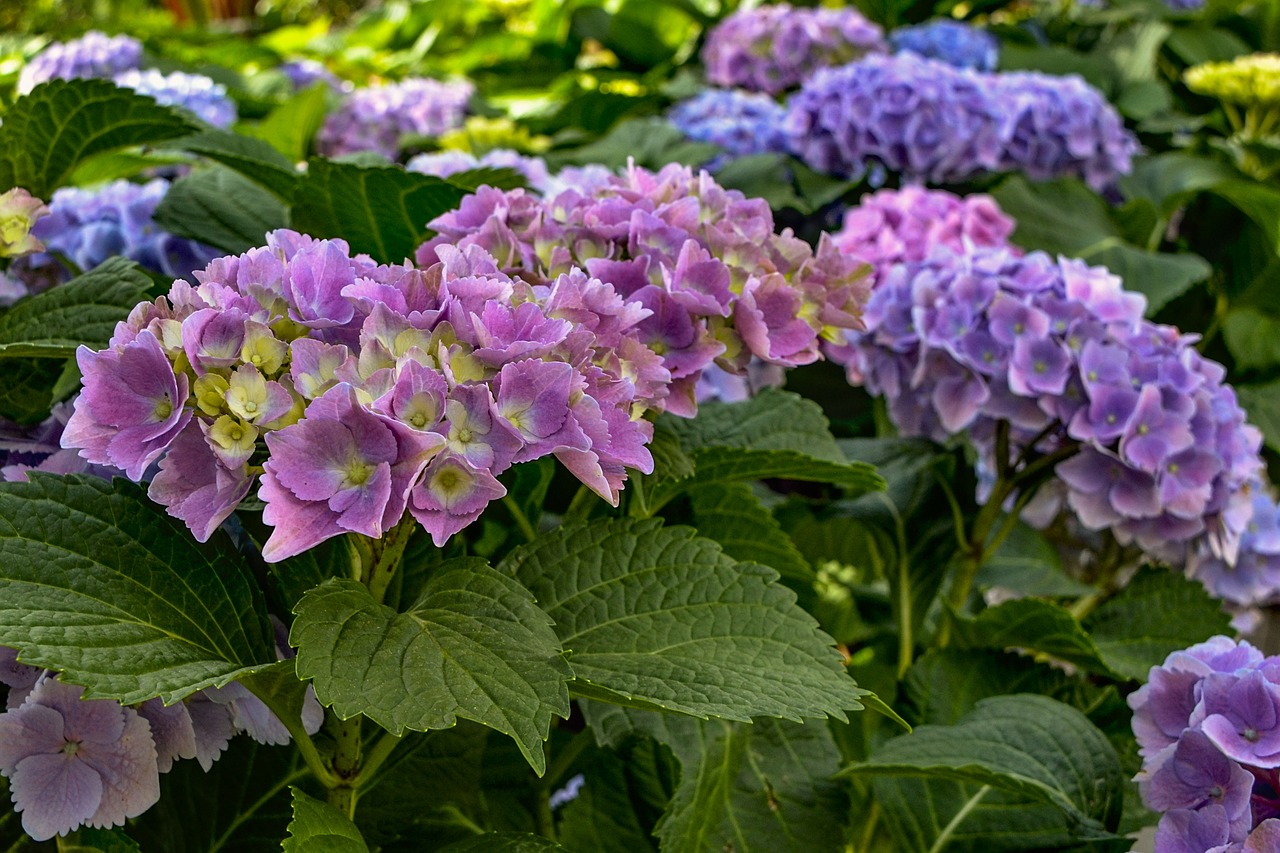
(442, 164)
(92, 55)
(381, 118)
(928, 121)
(920, 118)
(1208, 727)
(1060, 351)
(89, 226)
(952, 42)
(194, 93)
(774, 48)
(742, 123)
(305, 73)
(1056, 127)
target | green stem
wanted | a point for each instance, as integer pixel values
(346, 765)
(386, 554)
(518, 515)
(869, 830)
(565, 758)
(581, 505)
(246, 814)
(639, 507)
(293, 723)
(944, 837)
(376, 756)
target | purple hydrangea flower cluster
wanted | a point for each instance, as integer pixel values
(75, 762)
(1253, 576)
(442, 164)
(952, 42)
(92, 55)
(1208, 727)
(774, 48)
(929, 121)
(194, 93)
(898, 226)
(356, 392)
(1060, 351)
(305, 73)
(720, 285)
(742, 123)
(380, 118)
(89, 226)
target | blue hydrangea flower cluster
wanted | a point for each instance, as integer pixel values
(194, 93)
(742, 123)
(380, 118)
(1208, 727)
(774, 48)
(952, 42)
(89, 226)
(305, 73)
(92, 55)
(75, 762)
(442, 164)
(928, 121)
(1252, 575)
(1159, 451)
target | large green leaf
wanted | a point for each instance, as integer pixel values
(1158, 613)
(1253, 338)
(85, 310)
(657, 618)
(1028, 564)
(1065, 217)
(732, 515)
(474, 645)
(379, 210)
(1262, 402)
(62, 122)
(100, 584)
(603, 817)
(1032, 624)
(651, 142)
(1031, 746)
(253, 158)
(291, 126)
(945, 684)
(319, 826)
(222, 208)
(504, 842)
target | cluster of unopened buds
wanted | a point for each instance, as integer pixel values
(1208, 727)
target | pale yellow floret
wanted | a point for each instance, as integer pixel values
(262, 349)
(210, 394)
(233, 436)
(247, 393)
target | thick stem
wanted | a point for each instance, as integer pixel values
(522, 521)
(385, 558)
(346, 765)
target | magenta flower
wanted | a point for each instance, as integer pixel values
(72, 762)
(194, 485)
(451, 495)
(343, 468)
(1241, 716)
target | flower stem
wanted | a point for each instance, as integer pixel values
(346, 765)
(518, 515)
(385, 558)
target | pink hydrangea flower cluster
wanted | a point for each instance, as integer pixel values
(718, 283)
(380, 118)
(1208, 727)
(75, 762)
(773, 48)
(355, 392)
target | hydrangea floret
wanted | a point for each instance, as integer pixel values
(89, 226)
(380, 118)
(740, 122)
(1208, 728)
(719, 284)
(194, 93)
(93, 55)
(931, 122)
(19, 211)
(774, 48)
(952, 42)
(354, 392)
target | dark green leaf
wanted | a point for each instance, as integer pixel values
(1262, 402)
(504, 842)
(62, 122)
(1031, 624)
(319, 826)
(731, 514)
(503, 179)
(1031, 746)
(651, 141)
(1260, 202)
(25, 394)
(1158, 613)
(1028, 564)
(99, 584)
(379, 210)
(657, 618)
(474, 645)
(603, 817)
(1253, 338)
(85, 311)
(221, 208)
(253, 158)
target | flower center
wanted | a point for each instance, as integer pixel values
(71, 747)
(1250, 735)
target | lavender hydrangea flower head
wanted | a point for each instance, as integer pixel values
(442, 164)
(1253, 576)
(773, 48)
(305, 73)
(356, 392)
(742, 123)
(1158, 448)
(380, 118)
(716, 282)
(917, 117)
(72, 763)
(952, 42)
(1055, 127)
(194, 93)
(1207, 724)
(92, 55)
(89, 226)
